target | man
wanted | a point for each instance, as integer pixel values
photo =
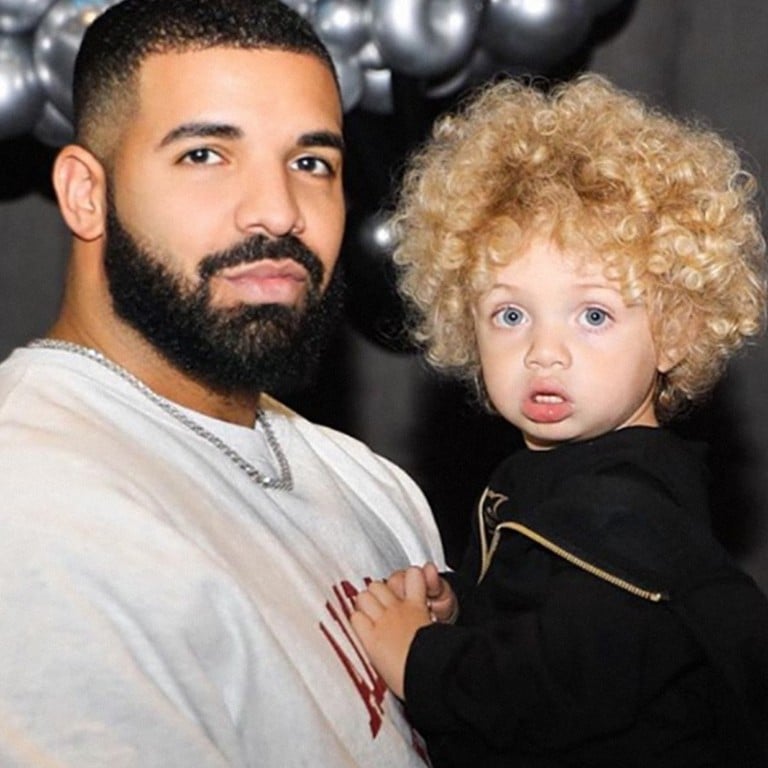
(180, 552)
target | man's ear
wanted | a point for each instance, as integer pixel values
(80, 183)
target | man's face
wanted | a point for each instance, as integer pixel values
(227, 211)
(246, 348)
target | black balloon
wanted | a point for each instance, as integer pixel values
(373, 304)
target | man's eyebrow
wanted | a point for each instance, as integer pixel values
(227, 131)
(322, 139)
(201, 130)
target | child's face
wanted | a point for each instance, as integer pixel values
(563, 357)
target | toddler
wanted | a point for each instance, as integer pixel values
(590, 264)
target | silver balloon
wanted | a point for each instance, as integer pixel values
(369, 56)
(425, 38)
(377, 91)
(342, 24)
(480, 68)
(21, 95)
(350, 80)
(57, 40)
(305, 8)
(21, 15)
(439, 89)
(52, 128)
(534, 32)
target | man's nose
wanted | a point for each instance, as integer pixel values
(269, 206)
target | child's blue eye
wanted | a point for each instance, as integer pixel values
(509, 316)
(595, 316)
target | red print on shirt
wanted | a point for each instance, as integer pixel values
(368, 683)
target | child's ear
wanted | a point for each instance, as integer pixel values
(676, 340)
(667, 358)
(80, 184)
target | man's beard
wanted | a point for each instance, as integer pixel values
(240, 350)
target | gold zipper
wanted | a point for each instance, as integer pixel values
(488, 553)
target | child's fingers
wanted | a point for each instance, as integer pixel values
(415, 587)
(382, 592)
(361, 623)
(370, 605)
(396, 582)
(432, 579)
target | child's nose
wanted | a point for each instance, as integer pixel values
(548, 348)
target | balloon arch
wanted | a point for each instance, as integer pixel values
(447, 43)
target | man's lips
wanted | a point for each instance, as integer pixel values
(285, 269)
(260, 282)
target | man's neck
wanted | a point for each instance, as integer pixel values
(129, 350)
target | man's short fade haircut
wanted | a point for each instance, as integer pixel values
(117, 42)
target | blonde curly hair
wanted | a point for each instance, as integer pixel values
(666, 206)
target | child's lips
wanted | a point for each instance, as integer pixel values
(547, 405)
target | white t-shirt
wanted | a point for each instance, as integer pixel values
(159, 608)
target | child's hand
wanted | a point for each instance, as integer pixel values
(441, 599)
(396, 582)
(386, 624)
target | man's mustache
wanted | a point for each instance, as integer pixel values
(259, 248)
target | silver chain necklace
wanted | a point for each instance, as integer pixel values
(283, 482)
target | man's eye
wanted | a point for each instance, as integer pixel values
(595, 317)
(314, 165)
(201, 156)
(509, 316)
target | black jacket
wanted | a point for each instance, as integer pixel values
(608, 627)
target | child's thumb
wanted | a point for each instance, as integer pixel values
(415, 588)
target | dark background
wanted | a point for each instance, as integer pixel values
(703, 59)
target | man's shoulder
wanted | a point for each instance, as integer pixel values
(38, 389)
(67, 428)
(27, 371)
(14, 372)
(25, 388)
